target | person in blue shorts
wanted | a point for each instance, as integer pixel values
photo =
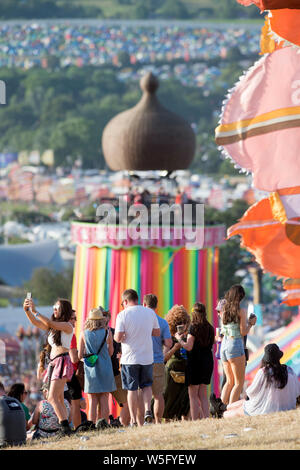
(135, 326)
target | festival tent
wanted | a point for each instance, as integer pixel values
(108, 261)
(18, 262)
(288, 341)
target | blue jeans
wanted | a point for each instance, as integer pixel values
(231, 348)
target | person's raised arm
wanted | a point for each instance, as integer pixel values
(188, 344)
(48, 323)
(31, 315)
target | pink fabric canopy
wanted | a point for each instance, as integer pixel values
(259, 126)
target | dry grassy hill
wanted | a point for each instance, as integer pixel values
(279, 431)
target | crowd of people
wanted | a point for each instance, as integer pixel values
(31, 44)
(157, 369)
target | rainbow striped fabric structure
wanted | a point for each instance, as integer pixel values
(289, 342)
(176, 275)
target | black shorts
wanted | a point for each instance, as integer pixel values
(74, 388)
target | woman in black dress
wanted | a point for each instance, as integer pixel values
(200, 361)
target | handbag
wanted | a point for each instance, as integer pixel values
(91, 359)
(178, 377)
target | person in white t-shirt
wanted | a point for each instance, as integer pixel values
(135, 326)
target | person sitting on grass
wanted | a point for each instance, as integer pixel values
(275, 388)
(44, 417)
(19, 392)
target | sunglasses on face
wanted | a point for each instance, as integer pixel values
(56, 307)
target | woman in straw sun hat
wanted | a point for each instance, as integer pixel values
(99, 378)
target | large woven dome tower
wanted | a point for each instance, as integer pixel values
(148, 136)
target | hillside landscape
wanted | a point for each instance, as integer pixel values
(126, 9)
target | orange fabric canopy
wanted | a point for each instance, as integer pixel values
(275, 245)
(292, 295)
(271, 4)
(285, 24)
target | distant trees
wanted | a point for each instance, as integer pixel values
(129, 9)
(38, 9)
(173, 9)
(227, 9)
(47, 285)
(67, 109)
(232, 256)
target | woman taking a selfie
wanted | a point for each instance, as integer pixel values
(60, 369)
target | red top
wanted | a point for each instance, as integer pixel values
(74, 346)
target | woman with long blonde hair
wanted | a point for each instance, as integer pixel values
(99, 378)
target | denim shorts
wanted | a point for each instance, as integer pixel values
(136, 376)
(231, 348)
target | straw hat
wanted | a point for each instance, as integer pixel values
(96, 313)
